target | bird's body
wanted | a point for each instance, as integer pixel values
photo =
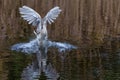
(41, 43)
(40, 24)
(35, 19)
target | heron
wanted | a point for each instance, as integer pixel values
(40, 32)
(40, 23)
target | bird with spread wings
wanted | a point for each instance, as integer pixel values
(35, 19)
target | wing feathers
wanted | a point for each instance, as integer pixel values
(52, 15)
(30, 15)
(34, 18)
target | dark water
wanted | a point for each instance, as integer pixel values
(81, 64)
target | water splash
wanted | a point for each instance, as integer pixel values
(30, 47)
(33, 46)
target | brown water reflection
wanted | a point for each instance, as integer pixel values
(82, 64)
(4, 58)
(89, 65)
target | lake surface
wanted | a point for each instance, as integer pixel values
(81, 64)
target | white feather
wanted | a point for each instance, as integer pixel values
(52, 15)
(30, 15)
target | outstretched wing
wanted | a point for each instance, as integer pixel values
(30, 15)
(62, 47)
(30, 47)
(52, 15)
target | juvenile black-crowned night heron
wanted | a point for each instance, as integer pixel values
(40, 23)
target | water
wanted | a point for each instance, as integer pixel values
(81, 64)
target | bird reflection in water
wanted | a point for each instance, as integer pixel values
(40, 44)
(33, 72)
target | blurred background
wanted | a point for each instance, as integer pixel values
(80, 20)
(93, 25)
